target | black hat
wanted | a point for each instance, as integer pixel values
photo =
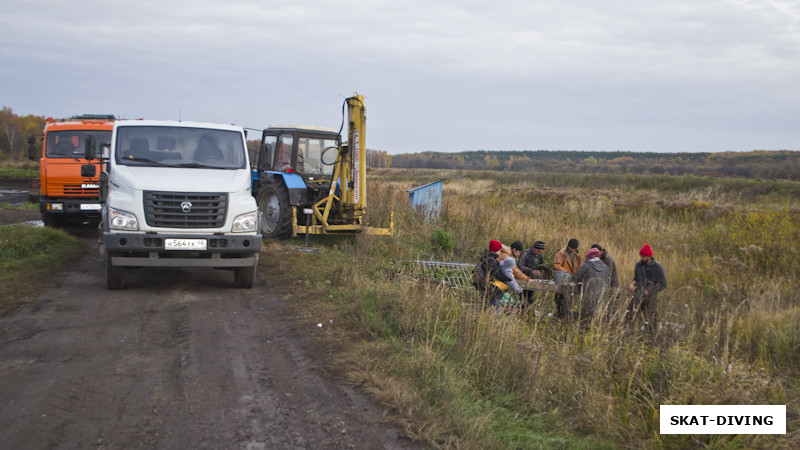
(538, 245)
(597, 246)
(573, 243)
(516, 245)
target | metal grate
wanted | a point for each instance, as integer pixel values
(449, 273)
(185, 209)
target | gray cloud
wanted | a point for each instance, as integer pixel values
(450, 76)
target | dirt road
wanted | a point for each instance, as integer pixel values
(178, 360)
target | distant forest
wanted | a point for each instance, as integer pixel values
(14, 132)
(765, 164)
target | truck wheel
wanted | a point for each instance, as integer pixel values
(113, 274)
(52, 220)
(244, 277)
(276, 212)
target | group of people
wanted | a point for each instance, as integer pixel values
(501, 267)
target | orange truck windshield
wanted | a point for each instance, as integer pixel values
(72, 144)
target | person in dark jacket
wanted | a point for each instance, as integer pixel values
(648, 280)
(532, 263)
(490, 267)
(594, 275)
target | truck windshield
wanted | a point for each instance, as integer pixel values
(179, 147)
(72, 144)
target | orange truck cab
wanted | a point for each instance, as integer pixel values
(67, 196)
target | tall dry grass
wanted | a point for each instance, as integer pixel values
(459, 376)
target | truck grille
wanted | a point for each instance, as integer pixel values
(74, 190)
(168, 209)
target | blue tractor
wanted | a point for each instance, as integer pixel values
(308, 181)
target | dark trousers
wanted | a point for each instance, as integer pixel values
(645, 308)
(561, 306)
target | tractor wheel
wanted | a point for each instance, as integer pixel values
(276, 212)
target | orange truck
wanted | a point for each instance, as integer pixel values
(68, 194)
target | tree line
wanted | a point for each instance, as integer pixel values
(780, 164)
(14, 132)
(767, 164)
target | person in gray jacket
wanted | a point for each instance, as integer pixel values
(595, 276)
(612, 266)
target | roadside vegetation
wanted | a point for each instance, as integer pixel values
(19, 170)
(458, 376)
(28, 256)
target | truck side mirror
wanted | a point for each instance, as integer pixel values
(32, 148)
(105, 150)
(91, 148)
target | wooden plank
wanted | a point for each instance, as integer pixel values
(547, 286)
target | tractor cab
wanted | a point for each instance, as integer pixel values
(306, 151)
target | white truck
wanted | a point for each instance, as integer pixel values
(177, 194)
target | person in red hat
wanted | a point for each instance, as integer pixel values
(486, 272)
(648, 280)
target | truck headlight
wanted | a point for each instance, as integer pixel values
(245, 223)
(121, 220)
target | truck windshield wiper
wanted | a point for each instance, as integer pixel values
(145, 160)
(196, 165)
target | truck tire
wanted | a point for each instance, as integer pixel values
(53, 220)
(244, 277)
(113, 274)
(276, 212)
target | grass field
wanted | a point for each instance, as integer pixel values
(457, 376)
(24, 170)
(28, 258)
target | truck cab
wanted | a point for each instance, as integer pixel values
(66, 195)
(178, 195)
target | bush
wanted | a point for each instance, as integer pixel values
(443, 240)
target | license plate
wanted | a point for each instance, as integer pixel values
(90, 207)
(185, 244)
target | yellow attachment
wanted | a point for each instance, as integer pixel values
(348, 208)
(322, 227)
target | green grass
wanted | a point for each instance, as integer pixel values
(28, 257)
(18, 173)
(23, 206)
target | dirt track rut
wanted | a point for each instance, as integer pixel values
(180, 359)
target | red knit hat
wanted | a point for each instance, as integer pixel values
(495, 246)
(646, 251)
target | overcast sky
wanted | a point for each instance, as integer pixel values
(665, 76)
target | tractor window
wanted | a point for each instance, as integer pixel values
(283, 154)
(309, 156)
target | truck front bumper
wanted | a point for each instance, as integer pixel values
(148, 250)
(89, 207)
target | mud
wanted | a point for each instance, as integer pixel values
(179, 359)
